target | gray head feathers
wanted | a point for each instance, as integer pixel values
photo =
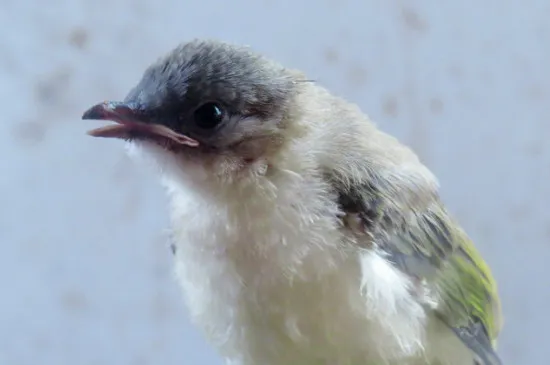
(207, 70)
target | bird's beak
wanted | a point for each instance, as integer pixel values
(131, 122)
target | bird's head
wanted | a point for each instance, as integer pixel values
(206, 106)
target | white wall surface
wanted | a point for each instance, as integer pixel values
(85, 272)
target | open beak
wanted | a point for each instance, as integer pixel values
(132, 123)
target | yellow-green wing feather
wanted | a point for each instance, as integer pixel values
(428, 244)
(469, 294)
(431, 246)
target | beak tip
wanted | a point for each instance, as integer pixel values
(95, 112)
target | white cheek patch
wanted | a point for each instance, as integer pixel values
(163, 162)
(137, 150)
(225, 169)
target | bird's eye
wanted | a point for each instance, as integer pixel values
(208, 115)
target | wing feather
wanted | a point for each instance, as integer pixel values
(426, 243)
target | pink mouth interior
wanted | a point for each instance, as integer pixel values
(156, 132)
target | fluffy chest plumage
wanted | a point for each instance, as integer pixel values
(272, 280)
(262, 275)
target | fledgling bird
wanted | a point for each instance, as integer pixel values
(302, 234)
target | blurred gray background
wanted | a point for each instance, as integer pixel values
(85, 270)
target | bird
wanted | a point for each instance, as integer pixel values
(302, 233)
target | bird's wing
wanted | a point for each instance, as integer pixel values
(426, 243)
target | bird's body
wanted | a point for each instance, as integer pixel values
(313, 238)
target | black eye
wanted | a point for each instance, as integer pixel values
(208, 115)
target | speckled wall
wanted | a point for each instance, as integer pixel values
(85, 271)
